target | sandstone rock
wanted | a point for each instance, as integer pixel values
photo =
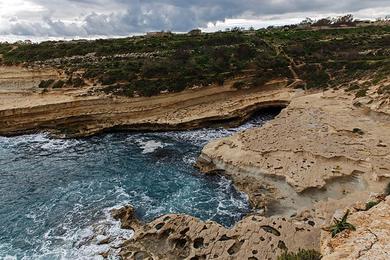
(185, 237)
(127, 217)
(369, 241)
(75, 113)
(311, 152)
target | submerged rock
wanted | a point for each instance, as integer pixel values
(127, 217)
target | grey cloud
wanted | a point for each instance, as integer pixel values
(122, 17)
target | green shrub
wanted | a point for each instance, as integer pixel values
(385, 89)
(59, 84)
(46, 83)
(353, 87)
(301, 255)
(361, 93)
(179, 61)
(340, 225)
(358, 131)
(371, 204)
(78, 82)
(239, 85)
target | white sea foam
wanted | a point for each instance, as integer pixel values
(58, 144)
(149, 146)
(104, 236)
(189, 159)
(42, 140)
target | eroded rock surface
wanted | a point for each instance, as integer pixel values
(185, 237)
(369, 241)
(321, 146)
(18, 78)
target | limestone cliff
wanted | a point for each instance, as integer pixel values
(321, 146)
(369, 241)
(72, 112)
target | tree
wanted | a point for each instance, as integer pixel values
(346, 20)
(323, 22)
(307, 21)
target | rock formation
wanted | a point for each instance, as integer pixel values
(73, 112)
(185, 237)
(369, 241)
(321, 146)
(325, 151)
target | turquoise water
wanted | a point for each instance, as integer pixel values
(56, 194)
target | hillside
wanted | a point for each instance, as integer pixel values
(149, 65)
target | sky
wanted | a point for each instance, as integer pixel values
(68, 19)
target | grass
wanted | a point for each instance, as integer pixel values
(340, 225)
(302, 254)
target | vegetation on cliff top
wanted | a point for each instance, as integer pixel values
(340, 225)
(149, 65)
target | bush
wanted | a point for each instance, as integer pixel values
(59, 84)
(46, 83)
(261, 78)
(239, 84)
(371, 204)
(361, 93)
(179, 61)
(78, 82)
(301, 255)
(358, 131)
(353, 87)
(385, 89)
(340, 225)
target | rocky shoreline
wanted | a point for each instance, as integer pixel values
(321, 146)
(291, 211)
(185, 237)
(325, 151)
(176, 236)
(333, 153)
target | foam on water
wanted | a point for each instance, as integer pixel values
(57, 194)
(149, 146)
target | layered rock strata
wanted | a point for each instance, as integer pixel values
(76, 112)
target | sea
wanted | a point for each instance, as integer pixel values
(56, 195)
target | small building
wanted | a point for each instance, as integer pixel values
(195, 32)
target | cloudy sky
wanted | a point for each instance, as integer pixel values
(88, 18)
